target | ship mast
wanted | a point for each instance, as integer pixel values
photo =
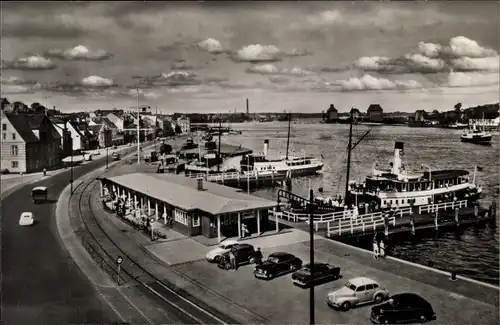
(288, 137)
(349, 149)
(218, 146)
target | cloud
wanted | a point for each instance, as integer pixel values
(171, 79)
(15, 85)
(79, 52)
(298, 52)
(279, 80)
(271, 69)
(143, 94)
(17, 81)
(96, 82)
(258, 53)
(460, 54)
(367, 82)
(34, 62)
(211, 45)
(182, 65)
(474, 79)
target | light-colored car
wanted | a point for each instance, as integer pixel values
(223, 247)
(96, 152)
(26, 219)
(357, 291)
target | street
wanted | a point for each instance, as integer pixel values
(41, 284)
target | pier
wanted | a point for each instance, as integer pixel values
(249, 180)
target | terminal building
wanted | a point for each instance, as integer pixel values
(195, 206)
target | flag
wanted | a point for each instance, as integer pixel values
(479, 169)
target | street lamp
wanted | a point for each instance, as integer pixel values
(107, 157)
(71, 172)
(311, 255)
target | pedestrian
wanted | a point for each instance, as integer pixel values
(382, 248)
(232, 260)
(375, 248)
(258, 257)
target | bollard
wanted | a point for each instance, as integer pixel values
(412, 221)
(436, 220)
(493, 208)
(453, 276)
(456, 217)
(476, 210)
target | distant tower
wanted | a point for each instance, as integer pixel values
(248, 108)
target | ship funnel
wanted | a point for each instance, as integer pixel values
(398, 158)
(266, 148)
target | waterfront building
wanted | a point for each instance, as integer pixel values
(184, 123)
(375, 113)
(198, 208)
(332, 114)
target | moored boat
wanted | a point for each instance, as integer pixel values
(475, 135)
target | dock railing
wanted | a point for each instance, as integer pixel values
(442, 206)
(231, 176)
(370, 222)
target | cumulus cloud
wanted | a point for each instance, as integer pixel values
(258, 53)
(298, 52)
(171, 79)
(211, 45)
(143, 94)
(368, 82)
(34, 62)
(460, 54)
(474, 79)
(79, 52)
(17, 81)
(97, 82)
(271, 69)
(14, 85)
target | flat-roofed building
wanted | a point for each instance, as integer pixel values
(196, 207)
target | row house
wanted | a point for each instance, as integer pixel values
(117, 137)
(76, 136)
(30, 143)
(184, 123)
(167, 125)
(102, 134)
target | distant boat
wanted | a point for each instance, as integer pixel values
(457, 125)
(476, 135)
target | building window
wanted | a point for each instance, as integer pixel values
(13, 136)
(181, 216)
(15, 164)
(4, 127)
(13, 150)
(196, 220)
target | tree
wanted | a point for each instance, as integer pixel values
(178, 129)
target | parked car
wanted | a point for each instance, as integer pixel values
(244, 254)
(357, 291)
(277, 264)
(403, 308)
(26, 219)
(319, 273)
(116, 156)
(214, 255)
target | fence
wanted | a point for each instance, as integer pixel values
(442, 206)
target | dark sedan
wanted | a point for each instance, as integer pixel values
(277, 264)
(403, 308)
(317, 274)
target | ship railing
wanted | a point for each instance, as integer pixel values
(360, 225)
(442, 206)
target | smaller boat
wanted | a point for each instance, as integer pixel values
(475, 135)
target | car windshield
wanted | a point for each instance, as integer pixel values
(350, 286)
(273, 259)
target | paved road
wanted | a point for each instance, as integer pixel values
(41, 284)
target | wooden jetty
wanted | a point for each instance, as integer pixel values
(345, 224)
(248, 180)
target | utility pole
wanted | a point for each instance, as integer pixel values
(349, 148)
(107, 157)
(138, 131)
(218, 147)
(311, 255)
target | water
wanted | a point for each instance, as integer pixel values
(472, 252)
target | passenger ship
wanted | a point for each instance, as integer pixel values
(396, 188)
(291, 165)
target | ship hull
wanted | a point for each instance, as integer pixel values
(485, 139)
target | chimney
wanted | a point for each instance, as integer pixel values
(248, 108)
(199, 182)
(398, 157)
(266, 148)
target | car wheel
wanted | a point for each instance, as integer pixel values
(216, 259)
(385, 321)
(346, 306)
(251, 260)
(378, 299)
(423, 319)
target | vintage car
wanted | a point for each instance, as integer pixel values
(214, 255)
(244, 254)
(357, 291)
(116, 156)
(39, 194)
(317, 274)
(26, 219)
(277, 264)
(403, 308)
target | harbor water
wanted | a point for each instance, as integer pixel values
(472, 252)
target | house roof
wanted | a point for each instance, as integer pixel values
(56, 120)
(95, 129)
(26, 123)
(182, 192)
(108, 123)
(375, 108)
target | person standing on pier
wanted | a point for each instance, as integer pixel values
(382, 248)
(375, 247)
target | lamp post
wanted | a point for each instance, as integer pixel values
(311, 256)
(138, 131)
(107, 157)
(71, 171)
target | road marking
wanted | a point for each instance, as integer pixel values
(133, 305)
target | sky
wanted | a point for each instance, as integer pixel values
(209, 57)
